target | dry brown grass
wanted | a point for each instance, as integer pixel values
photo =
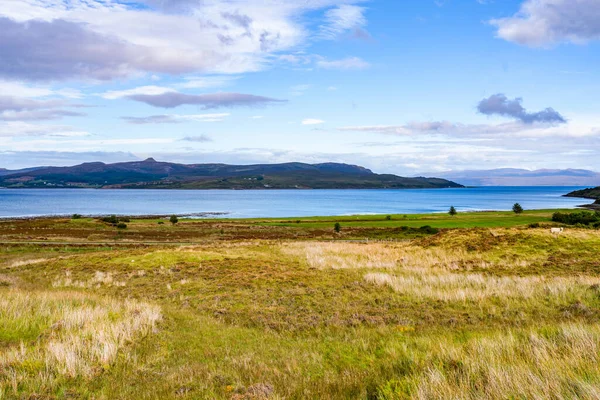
(22, 263)
(437, 273)
(375, 255)
(99, 278)
(386, 256)
(562, 363)
(79, 335)
(436, 284)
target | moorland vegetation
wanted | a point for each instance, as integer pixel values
(481, 305)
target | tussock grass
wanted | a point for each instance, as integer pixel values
(552, 363)
(98, 279)
(347, 255)
(21, 263)
(64, 335)
(435, 284)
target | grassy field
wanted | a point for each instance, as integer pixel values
(491, 306)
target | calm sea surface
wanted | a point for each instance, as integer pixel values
(276, 203)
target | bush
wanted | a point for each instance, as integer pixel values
(517, 209)
(173, 219)
(121, 225)
(428, 229)
(161, 222)
(452, 211)
(337, 227)
(124, 219)
(76, 216)
(111, 220)
(534, 225)
(585, 218)
(388, 217)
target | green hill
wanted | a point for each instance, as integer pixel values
(591, 193)
(150, 174)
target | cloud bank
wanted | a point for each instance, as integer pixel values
(26, 109)
(206, 101)
(545, 22)
(174, 119)
(58, 40)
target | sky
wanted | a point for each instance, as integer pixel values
(398, 86)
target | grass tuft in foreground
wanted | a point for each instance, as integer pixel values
(49, 337)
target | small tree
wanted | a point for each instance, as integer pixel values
(174, 219)
(517, 208)
(452, 211)
(337, 227)
(388, 217)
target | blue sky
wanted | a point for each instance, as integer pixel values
(403, 87)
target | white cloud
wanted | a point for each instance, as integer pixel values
(341, 20)
(204, 82)
(142, 90)
(545, 22)
(27, 109)
(312, 121)
(175, 118)
(505, 130)
(109, 39)
(344, 64)
(22, 129)
(21, 89)
(257, 117)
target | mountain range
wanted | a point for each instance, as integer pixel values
(163, 175)
(4, 171)
(524, 177)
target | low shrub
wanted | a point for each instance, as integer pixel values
(583, 218)
(110, 219)
(428, 229)
(76, 216)
(121, 225)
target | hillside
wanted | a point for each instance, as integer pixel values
(162, 175)
(524, 177)
(4, 171)
(591, 193)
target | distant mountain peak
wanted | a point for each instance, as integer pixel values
(149, 160)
